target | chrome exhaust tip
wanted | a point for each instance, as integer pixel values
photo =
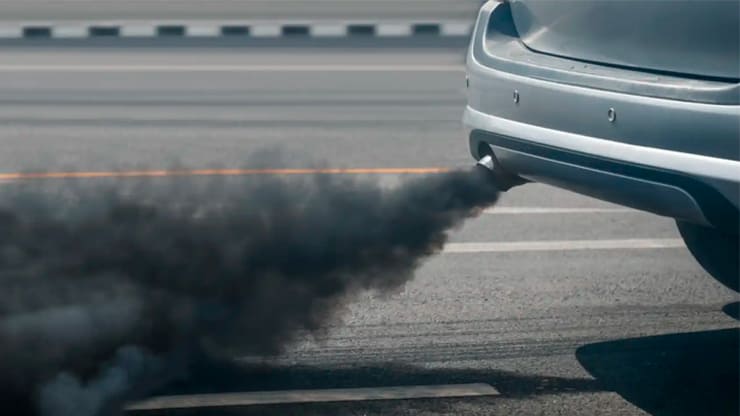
(488, 163)
(503, 180)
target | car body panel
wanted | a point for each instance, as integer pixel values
(497, 45)
(602, 171)
(697, 37)
(672, 156)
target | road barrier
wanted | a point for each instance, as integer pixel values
(233, 30)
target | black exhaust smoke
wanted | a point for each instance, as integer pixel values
(103, 292)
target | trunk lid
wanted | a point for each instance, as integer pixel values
(699, 38)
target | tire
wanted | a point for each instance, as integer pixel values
(716, 251)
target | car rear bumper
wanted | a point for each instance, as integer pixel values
(686, 163)
(673, 156)
(668, 192)
(700, 189)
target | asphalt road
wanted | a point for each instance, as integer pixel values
(620, 331)
(73, 10)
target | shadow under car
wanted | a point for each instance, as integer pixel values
(678, 374)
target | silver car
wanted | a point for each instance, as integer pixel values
(633, 102)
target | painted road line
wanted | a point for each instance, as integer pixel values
(232, 68)
(555, 210)
(16, 176)
(567, 245)
(313, 396)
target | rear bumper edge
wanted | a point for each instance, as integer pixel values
(664, 182)
(693, 164)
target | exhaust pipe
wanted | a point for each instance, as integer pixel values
(504, 180)
(487, 162)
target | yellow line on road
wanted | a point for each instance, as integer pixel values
(15, 176)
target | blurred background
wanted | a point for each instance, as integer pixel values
(143, 10)
(103, 83)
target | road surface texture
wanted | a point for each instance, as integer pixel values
(635, 327)
(76, 10)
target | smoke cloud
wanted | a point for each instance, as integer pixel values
(107, 290)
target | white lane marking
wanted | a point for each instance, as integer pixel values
(555, 210)
(232, 68)
(567, 245)
(314, 396)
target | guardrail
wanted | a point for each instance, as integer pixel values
(40, 30)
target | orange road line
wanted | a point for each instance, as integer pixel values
(12, 176)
